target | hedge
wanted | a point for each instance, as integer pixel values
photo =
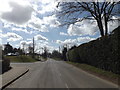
(102, 52)
(5, 65)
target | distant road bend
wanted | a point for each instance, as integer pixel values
(57, 74)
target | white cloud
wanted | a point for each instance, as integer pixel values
(50, 48)
(51, 21)
(1, 35)
(6, 25)
(12, 36)
(20, 30)
(17, 45)
(0, 41)
(29, 39)
(67, 41)
(59, 41)
(44, 28)
(0, 31)
(48, 6)
(43, 24)
(89, 27)
(86, 27)
(84, 39)
(15, 27)
(25, 42)
(39, 27)
(37, 24)
(46, 1)
(112, 25)
(62, 33)
(40, 46)
(19, 14)
(40, 37)
(11, 25)
(75, 41)
(23, 14)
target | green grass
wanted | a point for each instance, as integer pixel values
(20, 58)
(99, 72)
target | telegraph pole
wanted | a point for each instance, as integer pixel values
(33, 47)
(59, 49)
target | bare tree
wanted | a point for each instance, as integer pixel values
(101, 12)
(24, 44)
(30, 49)
(45, 52)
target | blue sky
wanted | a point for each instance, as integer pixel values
(21, 20)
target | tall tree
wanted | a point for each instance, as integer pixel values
(20, 51)
(8, 49)
(23, 47)
(45, 52)
(64, 51)
(56, 54)
(15, 50)
(30, 49)
(101, 12)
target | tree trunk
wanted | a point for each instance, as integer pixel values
(106, 28)
(100, 25)
(106, 25)
(106, 22)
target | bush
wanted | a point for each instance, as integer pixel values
(73, 55)
(101, 53)
(20, 58)
(5, 65)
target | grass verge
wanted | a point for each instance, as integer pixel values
(20, 58)
(114, 78)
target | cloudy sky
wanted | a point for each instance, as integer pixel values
(21, 20)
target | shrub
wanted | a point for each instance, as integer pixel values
(5, 65)
(101, 53)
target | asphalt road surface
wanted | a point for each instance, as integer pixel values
(57, 74)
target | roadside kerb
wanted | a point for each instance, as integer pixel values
(12, 75)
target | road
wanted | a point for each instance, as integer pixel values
(57, 74)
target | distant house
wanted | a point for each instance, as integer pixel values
(17, 53)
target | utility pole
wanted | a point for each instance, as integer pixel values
(33, 47)
(59, 49)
